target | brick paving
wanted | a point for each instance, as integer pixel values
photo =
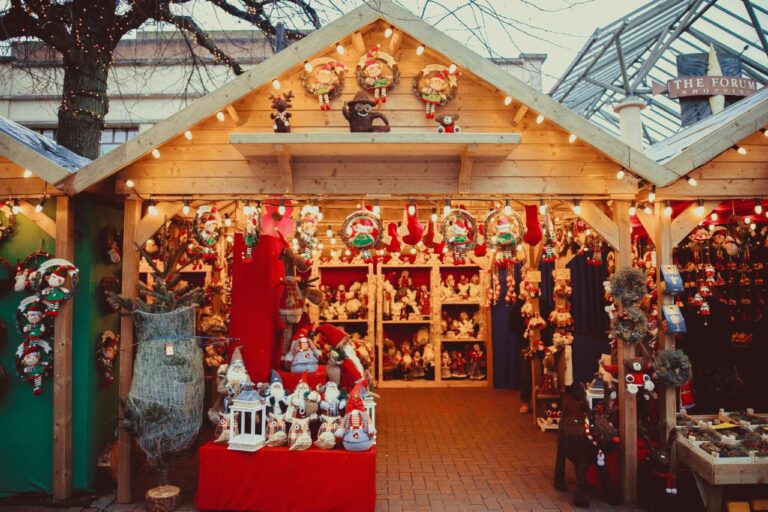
(446, 450)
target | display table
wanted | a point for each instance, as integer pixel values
(277, 479)
(313, 379)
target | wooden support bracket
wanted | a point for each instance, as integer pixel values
(233, 114)
(601, 223)
(520, 114)
(648, 220)
(466, 162)
(395, 41)
(285, 168)
(43, 221)
(687, 220)
(358, 43)
(149, 225)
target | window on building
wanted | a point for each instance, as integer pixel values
(110, 137)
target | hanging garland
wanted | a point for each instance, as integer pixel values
(460, 233)
(504, 231)
(435, 86)
(7, 222)
(207, 230)
(672, 368)
(324, 81)
(362, 231)
(377, 72)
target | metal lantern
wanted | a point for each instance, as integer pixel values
(370, 408)
(246, 432)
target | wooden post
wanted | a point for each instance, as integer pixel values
(62, 362)
(664, 247)
(130, 278)
(627, 401)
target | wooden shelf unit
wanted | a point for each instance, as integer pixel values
(435, 270)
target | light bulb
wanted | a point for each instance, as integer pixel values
(185, 208)
(347, 252)
(156, 153)
(747, 220)
(15, 208)
(508, 100)
(129, 183)
(447, 209)
(420, 50)
(577, 208)
(39, 206)
(227, 220)
(507, 208)
(713, 216)
(276, 84)
(433, 217)
(571, 138)
(152, 208)
(758, 207)
(652, 194)
(411, 210)
(340, 49)
(452, 68)
(668, 209)
(542, 207)
(699, 211)
(388, 32)
(281, 210)
(230, 239)
(539, 119)
(220, 115)
(620, 174)
(27, 173)
(741, 150)
(333, 241)
(765, 132)
(308, 66)
(632, 209)
(377, 210)
(413, 250)
(329, 233)
(692, 181)
(647, 210)
(188, 135)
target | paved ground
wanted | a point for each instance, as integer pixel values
(446, 450)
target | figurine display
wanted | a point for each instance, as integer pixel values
(252, 230)
(377, 73)
(281, 116)
(403, 300)
(461, 327)
(106, 355)
(346, 304)
(323, 78)
(435, 85)
(360, 115)
(307, 232)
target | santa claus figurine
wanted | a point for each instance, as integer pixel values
(638, 378)
(276, 399)
(334, 400)
(344, 367)
(303, 355)
(237, 377)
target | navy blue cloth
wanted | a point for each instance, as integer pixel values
(507, 341)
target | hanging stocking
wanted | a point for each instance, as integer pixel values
(533, 235)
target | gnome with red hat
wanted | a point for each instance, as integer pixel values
(359, 431)
(303, 355)
(31, 363)
(344, 367)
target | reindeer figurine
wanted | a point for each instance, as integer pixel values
(656, 476)
(282, 117)
(583, 438)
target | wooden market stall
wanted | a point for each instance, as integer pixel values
(515, 143)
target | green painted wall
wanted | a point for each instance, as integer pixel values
(26, 420)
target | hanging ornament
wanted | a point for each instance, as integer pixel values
(323, 78)
(26, 271)
(33, 363)
(111, 242)
(460, 232)
(377, 72)
(435, 86)
(106, 355)
(107, 285)
(53, 286)
(30, 319)
(7, 221)
(252, 232)
(307, 232)
(207, 230)
(504, 231)
(362, 231)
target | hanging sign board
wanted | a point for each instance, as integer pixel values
(533, 276)
(674, 319)
(707, 86)
(673, 283)
(562, 274)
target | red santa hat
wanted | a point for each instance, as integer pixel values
(332, 334)
(61, 271)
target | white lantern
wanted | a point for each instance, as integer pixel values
(244, 432)
(370, 408)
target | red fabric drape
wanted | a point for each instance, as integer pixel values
(276, 480)
(255, 299)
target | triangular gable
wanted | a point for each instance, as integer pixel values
(701, 142)
(326, 37)
(36, 152)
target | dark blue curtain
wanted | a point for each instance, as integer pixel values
(507, 339)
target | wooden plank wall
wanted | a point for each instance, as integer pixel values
(12, 182)
(545, 162)
(730, 174)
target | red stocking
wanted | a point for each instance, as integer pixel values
(533, 236)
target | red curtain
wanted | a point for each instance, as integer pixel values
(256, 293)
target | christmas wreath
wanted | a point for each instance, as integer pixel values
(362, 231)
(460, 233)
(377, 73)
(672, 368)
(504, 230)
(435, 85)
(628, 287)
(323, 78)
(26, 271)
(631, 325)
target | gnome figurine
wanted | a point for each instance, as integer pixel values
(344, 367)
(303, 355)
(359, 432)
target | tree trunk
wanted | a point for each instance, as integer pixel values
(84, 104)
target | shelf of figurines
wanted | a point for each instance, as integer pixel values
(727, 448)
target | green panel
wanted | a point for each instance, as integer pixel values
(26, 421)
(94, 403)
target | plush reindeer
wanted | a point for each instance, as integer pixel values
(583, 438)
(656, 477)
(282, 117)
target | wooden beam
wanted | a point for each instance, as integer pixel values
(395, 41)
(664, 246)
(600, 222)
(28, 158)
(62, 362)
(520, 114)
(130, 278)
(627, 401)
(42, 221)
(151, 223)
(688, 219)
(466, 162)
(358, 43)
(233, 114)
(648, 220)
(285, 168)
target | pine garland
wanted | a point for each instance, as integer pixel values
(672, 368)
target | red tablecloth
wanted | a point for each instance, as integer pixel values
(290, 379)
(276, 479)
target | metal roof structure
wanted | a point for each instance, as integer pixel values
(623, 58)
